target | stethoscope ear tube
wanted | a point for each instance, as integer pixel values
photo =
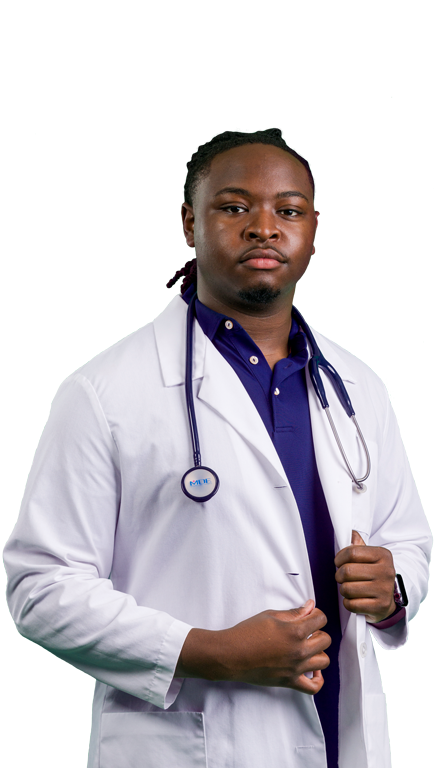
(359, 482)
(316, 362)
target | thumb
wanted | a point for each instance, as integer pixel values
(307, 608)
(357, 539)
(298, 613)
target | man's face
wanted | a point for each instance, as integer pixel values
(253, 225)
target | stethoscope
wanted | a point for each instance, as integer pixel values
(201, 483)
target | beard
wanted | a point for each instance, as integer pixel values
(259, 297)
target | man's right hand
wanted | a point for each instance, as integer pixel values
(273, 648)
(276, 648)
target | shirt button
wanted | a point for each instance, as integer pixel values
(229, 324)
(363, 650)
(277, 391)
(253, 360)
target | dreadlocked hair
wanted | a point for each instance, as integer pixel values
(199, 166)
(190, 276)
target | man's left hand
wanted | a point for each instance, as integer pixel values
(366, 575)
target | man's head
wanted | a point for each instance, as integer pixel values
(251, 220)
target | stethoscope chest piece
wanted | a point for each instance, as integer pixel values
(200, 483)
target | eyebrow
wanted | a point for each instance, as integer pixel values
(246, 193)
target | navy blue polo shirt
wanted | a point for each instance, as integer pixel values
(280, 397)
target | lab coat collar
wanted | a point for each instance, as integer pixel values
(170, 332)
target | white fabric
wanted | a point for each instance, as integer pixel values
(110, 565)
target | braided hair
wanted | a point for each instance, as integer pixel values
(199, 166)
(190, 274)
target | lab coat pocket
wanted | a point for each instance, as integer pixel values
(376, 726)
(313, 756)
(153, 740)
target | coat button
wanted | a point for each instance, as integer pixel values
(229, 324)
(363, 650)
(253, 360)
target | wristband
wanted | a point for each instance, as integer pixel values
(400, 596)
(401, 601)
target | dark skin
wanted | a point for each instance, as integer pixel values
(366, 575)
(224, 228)
(253, 225)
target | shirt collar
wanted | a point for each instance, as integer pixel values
(210, 321)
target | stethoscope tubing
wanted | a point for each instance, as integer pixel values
(316, 362)
(189, 383)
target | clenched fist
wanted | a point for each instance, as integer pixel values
(366, 575)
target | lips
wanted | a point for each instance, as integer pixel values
(262, 253)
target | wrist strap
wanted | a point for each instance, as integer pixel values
(400, 596)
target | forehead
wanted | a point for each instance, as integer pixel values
(259, 168)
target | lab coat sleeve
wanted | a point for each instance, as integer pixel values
(59, 558)
(400, 525)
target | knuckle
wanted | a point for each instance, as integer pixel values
(299, 654)
(300, 633)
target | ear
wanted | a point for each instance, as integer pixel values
(317, 213)
(188, 224)
(357, 539)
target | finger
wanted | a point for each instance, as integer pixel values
(310, 685)
(357, 553)
(360, 590)
(357, 539)
(366, 606)
(314, 621)
(317, 642)
(358, 572)
(309, 605)
(292, 614)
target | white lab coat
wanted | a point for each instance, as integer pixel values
(110, 565)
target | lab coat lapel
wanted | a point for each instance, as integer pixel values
(224, 392)
(221, 388)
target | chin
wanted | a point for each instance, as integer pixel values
(259, 296)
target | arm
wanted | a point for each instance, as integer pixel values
(59, 558)
(199, 655)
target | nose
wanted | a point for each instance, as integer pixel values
(262, 228)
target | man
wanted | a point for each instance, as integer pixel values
(235, 631)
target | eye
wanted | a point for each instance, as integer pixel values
(286, 210)
(292, 212)
(233, 208)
